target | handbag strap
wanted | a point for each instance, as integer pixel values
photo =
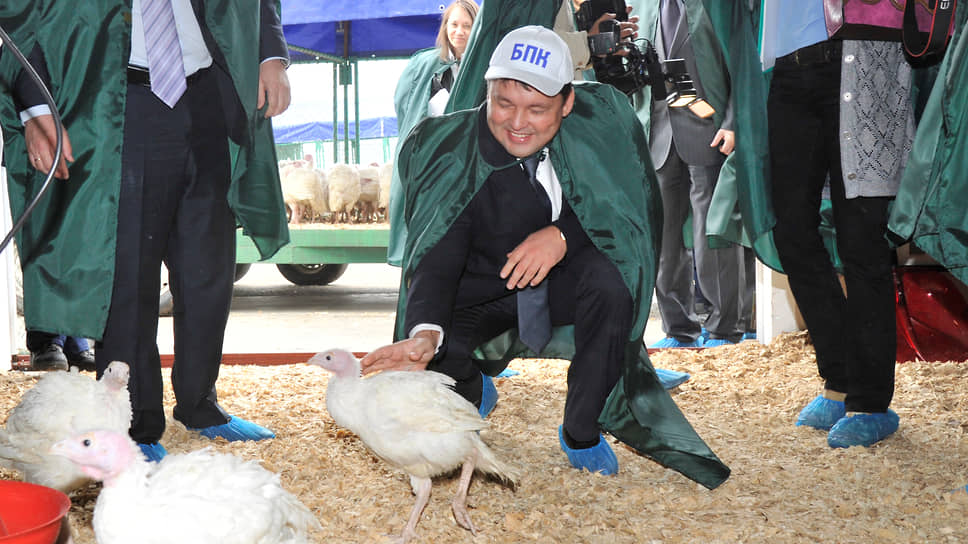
(930, 50)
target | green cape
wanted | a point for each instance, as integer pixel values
(930, 205)
(410, 101)
(618, 205)
(67, 248)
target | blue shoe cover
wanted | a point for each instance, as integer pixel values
(748, 336)
(488, 396)
(716, 342)
(862, 429)
(237, 429)
(673, 342)
(671, 378)
(821, 413)
(598, 458)
(703, 336)
(507, 373)
(153, 452)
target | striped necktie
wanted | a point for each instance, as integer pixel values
(164, 52)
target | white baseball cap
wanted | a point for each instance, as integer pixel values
(534, 55)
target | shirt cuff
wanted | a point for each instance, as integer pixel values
(34, 111)
(284, 60)
(429, 327)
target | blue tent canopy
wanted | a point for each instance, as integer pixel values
(311, 131)
(359, 28)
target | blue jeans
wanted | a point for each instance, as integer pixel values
(37, 340)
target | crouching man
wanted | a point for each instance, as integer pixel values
(540, 209)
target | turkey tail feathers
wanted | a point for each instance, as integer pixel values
(488, 463)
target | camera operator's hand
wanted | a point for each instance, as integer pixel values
(727, 139)
(628, 29)
(530, 262)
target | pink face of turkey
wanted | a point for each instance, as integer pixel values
(102, 455)
(340, 363)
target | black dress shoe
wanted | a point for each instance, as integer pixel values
(50, 357)
(83, 360)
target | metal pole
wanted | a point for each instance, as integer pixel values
(356, 103)
(346, 118)
(335, 114)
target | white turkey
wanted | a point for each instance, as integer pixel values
(414, 421)
(300, 190)
(344, 190)
(60, 405)
(200, 497)
(369, 192)
(386, 174)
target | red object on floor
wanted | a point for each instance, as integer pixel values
(932, 315)
(30, 514)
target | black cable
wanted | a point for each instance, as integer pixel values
(58, 126)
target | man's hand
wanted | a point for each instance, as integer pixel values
(273, 87)
(41, 138)
(725, 137)
(530, 262)
(410, 354)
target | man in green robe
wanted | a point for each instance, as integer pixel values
(152, 178)
(479, 235)
(410, 102)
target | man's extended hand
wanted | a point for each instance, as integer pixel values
(273, 87)
(40, 136)
(725, 137)
(410, 354)
(530, 262)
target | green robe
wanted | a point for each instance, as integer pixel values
(618, 205)
(410, 101)
(67, 247)
(929, 209)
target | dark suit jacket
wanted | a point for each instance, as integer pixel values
(462, 269)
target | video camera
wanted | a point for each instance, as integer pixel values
(669, 80)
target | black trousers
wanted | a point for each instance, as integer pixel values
(174, 179)
(588, 291)
(853, 335)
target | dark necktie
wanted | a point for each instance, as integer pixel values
(530, 166)
(670, 22)
(534, 314)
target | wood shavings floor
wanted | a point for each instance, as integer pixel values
(787, 485)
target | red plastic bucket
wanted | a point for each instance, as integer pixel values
(30, 513)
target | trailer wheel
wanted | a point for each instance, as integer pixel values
(312, 274)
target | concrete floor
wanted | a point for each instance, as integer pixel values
(356, 312)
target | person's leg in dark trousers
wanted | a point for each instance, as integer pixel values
(153, 171)
(590, 292)
(674, 290)
(161, 171)
(472, 326)
(868, 260)
(718, 270)
(201, 262)
(804, 119)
